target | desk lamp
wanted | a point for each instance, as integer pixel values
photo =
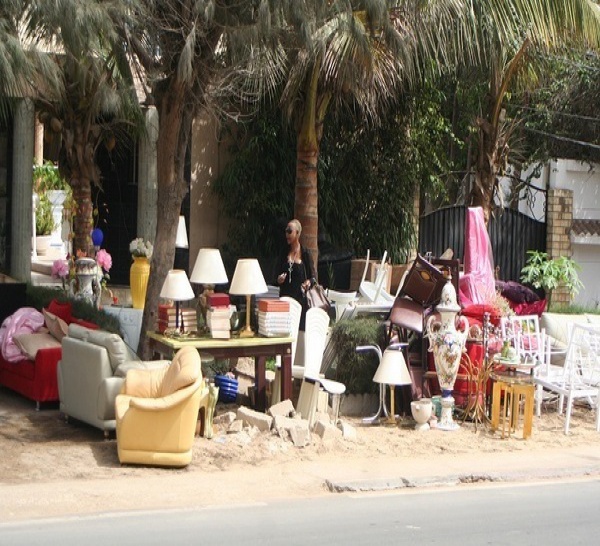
(392, 371)
(247, 280)
(208, 271)
(177, 288)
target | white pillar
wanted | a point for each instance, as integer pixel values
(22, 187)
(148, 179)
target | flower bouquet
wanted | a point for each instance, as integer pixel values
(139, 248)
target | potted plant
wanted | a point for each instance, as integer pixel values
(541, 271)
(44, 224)
(51, 188)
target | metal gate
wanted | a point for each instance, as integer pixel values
(511, 232)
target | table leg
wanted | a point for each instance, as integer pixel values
(496, 395)
(528, 417)
(286, 376)
(260, 382)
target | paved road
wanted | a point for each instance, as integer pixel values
(549, 514)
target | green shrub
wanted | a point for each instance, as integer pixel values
(44, 221)
(40, 296)
(356, 370)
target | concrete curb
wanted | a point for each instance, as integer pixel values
(362, 486)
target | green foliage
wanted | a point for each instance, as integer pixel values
(574, 309)
(44, 221)
(46, 177)
(41, 296)
(542, 272)
(256, 189)
(355, 370)
(368, 178)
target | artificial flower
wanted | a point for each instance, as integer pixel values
(140, 248)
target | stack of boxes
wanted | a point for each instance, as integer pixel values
(166, 318)
(218, 316)
(274, 318)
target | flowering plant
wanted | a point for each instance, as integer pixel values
(104, 261)
(60, 270)
(140, 248)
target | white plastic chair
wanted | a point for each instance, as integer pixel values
(341, 300)
(295, 312)
(523, 331)
(580, 376)
(373, 292)
(315, 339)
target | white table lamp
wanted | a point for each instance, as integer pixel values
(247, 281)
(208, 271)
(181, 240)
(177, 287)
(392, 371)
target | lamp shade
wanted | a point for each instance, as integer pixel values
(181, 240)
(392, 369)
(248, 278)
(209, 268)
(176, 286)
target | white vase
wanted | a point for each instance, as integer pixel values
(421, 412)
(447, 345)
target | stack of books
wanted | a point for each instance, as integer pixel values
(166, 318)
(274, 318)
(218, 316)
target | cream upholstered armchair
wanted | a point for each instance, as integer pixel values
(157, 412)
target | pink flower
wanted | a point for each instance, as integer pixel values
(104, 259)
(60, 269)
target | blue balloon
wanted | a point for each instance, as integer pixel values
(97, 236)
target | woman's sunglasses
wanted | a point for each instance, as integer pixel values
(289, 230)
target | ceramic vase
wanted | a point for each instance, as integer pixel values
(447, 345)
(86, 271)
(421, 412)
(138, 280)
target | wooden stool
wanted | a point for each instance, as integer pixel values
(508, 391)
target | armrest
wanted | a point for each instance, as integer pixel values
(167, 402)
(46, 361)
(143, 383)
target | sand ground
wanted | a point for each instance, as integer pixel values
(49, 467)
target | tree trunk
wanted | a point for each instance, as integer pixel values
(306, 207)
(174, 126)
(83, 220)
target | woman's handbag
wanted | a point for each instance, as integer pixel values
(315, 297)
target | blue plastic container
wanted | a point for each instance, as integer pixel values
(228, 388)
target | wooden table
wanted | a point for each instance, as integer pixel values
(258, 347)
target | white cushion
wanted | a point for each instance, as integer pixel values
(30, 344)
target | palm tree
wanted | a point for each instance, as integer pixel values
(519, 27)
(68, 57)
(359, 56)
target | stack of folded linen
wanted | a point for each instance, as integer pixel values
(274, 318)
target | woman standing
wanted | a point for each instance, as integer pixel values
(295, 268)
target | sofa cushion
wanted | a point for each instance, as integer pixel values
(61, 309)
(78, 332)
(183, 371)
(113, 343)
(30, 344)
(57, 327)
